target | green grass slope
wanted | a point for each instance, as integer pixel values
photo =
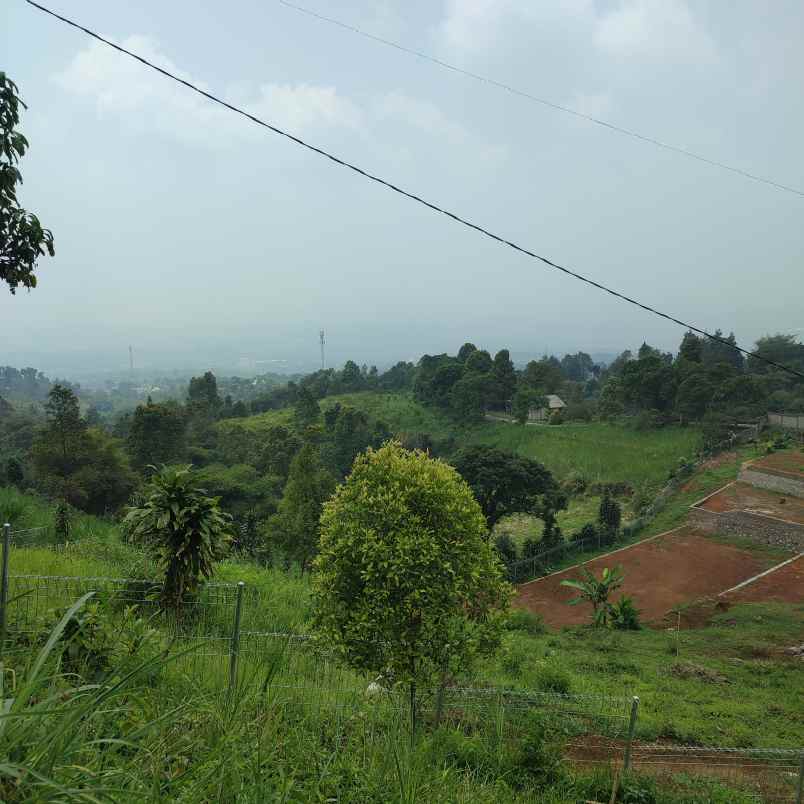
(599, 451)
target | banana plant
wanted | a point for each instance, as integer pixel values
(594, 591)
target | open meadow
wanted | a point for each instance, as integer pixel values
(599, 451)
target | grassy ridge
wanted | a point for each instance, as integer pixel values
(599, 451)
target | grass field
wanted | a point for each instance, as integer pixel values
(601, 452)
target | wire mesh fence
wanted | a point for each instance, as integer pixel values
(763, 774)
(221, 638)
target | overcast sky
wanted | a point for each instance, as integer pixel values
(200, 238)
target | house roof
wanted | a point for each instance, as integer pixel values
(554, 401)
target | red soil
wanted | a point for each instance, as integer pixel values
(744, 497)
(789, 462)
(785, 585)
(660, 574)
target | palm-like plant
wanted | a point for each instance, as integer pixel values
(186, 529)
(594, 591)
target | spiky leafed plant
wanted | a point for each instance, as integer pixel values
(594, 591)
(184, 527)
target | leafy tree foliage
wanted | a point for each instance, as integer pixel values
(83, 465)
(157, 434)
(691, 348)
(203, 398)
(504, 483)
(305, 410)
(526, 399)
(465, 351)
(504, 380)
(406, 582)
(609, 513)
(184, 528)
(578, 367)
(296, 526)
(714, 352)
(544, 375)
(399, 377)
(351, 431)
(27, 384)
(278, 447)
(22, 238)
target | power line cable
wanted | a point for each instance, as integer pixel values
(549, 104)
(412, 196)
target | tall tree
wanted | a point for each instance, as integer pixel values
(504, 380)
(305, 410)
(203, 398)
(465, 351)
(23, 240)
(691, 348)
(65, 425)
(157, 434)
(297, 522)
(715, 351)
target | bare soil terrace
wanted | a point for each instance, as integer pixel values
(744, 497)
(661, 574)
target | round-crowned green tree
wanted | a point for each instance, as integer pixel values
(406, 582)
(185, 528)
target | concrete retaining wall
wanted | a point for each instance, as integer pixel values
(765, 480)
(758, 528)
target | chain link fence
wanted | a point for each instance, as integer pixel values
(220, 641)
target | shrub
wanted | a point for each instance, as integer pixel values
(574, 484)
(530, 547)
(550, 678)
(588, 534)
(556, 418)
(625, 615)
(186, 530)
(527, 621)
(505, 546)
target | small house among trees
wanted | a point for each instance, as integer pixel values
(542, 413)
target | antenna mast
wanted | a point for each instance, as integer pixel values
(321, 338)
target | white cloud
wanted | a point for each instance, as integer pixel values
(430, 120)
(472, 24)
(654, 29)
(150, 102)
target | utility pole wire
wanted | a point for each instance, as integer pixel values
(483, 79)
(411, 196)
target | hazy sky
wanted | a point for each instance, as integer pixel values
(200, 238)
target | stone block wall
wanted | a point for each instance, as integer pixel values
(773, 482)
(758, 528)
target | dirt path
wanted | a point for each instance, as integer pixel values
(660, 573)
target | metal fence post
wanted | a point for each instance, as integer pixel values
(4, 587)
(631, 729)
(234, 645)
(800, 792)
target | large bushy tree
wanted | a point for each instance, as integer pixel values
(504, 483)
(23, 240)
